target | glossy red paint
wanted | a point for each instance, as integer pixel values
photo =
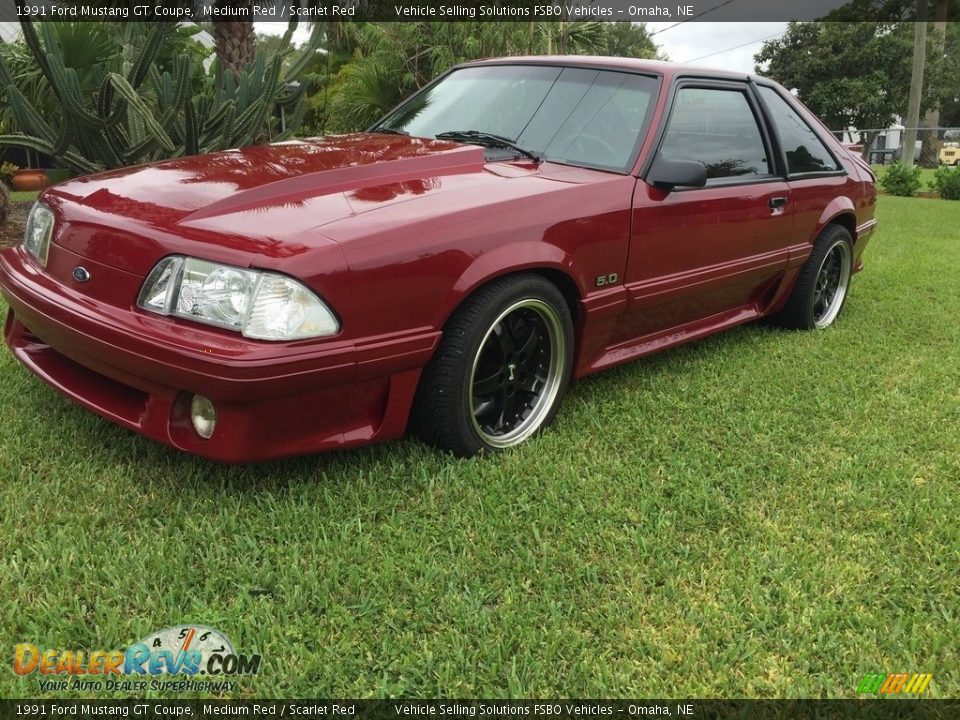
(393, 233)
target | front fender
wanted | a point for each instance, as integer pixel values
(507, 259)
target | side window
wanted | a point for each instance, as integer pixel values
(805, 151)
(718, 128)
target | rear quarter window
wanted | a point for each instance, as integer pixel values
(805, 152)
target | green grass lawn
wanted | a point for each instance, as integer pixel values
(23, 196)
(763, 513)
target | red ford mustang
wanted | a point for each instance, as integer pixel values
(516, 223)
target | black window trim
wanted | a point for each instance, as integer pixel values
(768, 117)
(711, 83)
(599, 66)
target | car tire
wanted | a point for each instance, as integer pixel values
(501, 370)
(823, 283)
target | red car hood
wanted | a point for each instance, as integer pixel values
(254, 200)
(202, 186)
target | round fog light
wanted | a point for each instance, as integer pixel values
(203, 415)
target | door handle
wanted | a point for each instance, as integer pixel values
(778, 202)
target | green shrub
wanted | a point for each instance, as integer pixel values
(946, 181)
(7, 169)
(901, 180)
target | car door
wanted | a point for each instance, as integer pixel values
(814, 174)
(696, 253)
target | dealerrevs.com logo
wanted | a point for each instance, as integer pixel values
(895, 683)
(190, 651)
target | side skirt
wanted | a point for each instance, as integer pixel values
(649, 344)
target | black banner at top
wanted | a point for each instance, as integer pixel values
(465, 10)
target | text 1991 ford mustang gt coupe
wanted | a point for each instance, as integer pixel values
(516, 223)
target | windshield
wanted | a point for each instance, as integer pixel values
(577, 116)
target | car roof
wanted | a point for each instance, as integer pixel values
(657, 67)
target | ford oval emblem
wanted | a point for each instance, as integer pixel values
(81, 274)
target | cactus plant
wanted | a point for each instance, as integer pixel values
(145, 114)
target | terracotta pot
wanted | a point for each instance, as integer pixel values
(29, 179)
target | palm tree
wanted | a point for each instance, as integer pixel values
(234, 34)
(4, 203)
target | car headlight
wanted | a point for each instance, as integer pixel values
(261, 305)
(36, 238)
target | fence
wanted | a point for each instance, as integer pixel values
(881, 146)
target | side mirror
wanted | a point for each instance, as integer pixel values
(668, 174)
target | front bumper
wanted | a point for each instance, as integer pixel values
(272, 399)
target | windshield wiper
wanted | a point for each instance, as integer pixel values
(389, 131)
(487, 140)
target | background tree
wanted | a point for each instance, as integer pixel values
(946, 85)
(624, 39)
(851, 74)
(233, 33)
(888, 10)
(389, 61)
(269, 43)
(235, 38)
(4, 203)
(564, 38)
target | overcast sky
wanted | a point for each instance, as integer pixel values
(728, 46)
(722, 45)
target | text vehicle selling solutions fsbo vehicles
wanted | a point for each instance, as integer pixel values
(515, 224)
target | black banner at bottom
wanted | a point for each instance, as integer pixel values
(462, 709)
